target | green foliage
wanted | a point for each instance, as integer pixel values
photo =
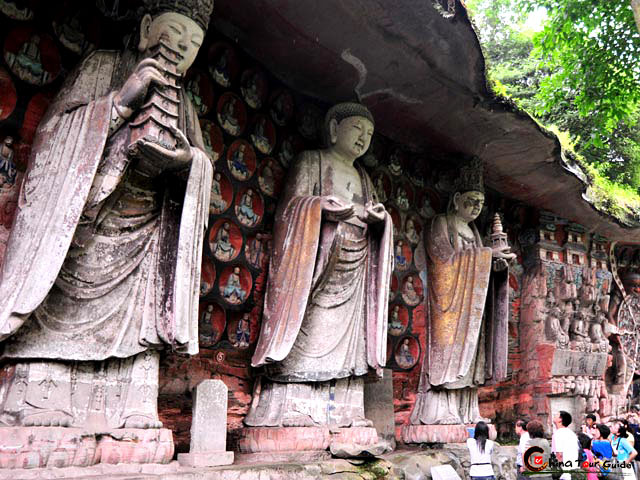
(580, 73)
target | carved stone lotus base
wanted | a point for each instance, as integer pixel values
(47, 447)
(289, 442)
(440, 433)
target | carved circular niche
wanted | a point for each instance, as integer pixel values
(235, 284)
(212, 322)
(398, 320)
(199, 89)
(221, 196)
(225, 240)
(403, 195)
(254, 86)
(224, 65)
(290, 146)
(281, 107)
(393, 288)
(242, 330)
(413, 229)
(429, 204)
(9, 96)
(231, 114)
(212, 138)
(32, 56)
(383, 185)
(257, 250)
(412, 290)
(263, 134)
(407, 352)
(207, 276)
(249, 207)
(310, 121)
(270, 177)
(241, 160)
(403, 255)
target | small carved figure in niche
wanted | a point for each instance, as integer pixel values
(463, 272)
(395, 325)
(193, 92)
(243, 332)
(404, 356)
(282, 108)
(27, 63)
(401, 260)
(251, 91)
(330, 272)
(401, 198)
(395, 167)
(578, 330)
(217, 204)
(7, 167)
(222, 249)
(426, 210)
(238, 164)
(267, 179)
(409, 294)
(410, 231)
(244, 211)
(13, 10)
(257, 249)
(259, 136)
(380, 190)
(207, 315)
(286, 152)
(228, 120)
(71, 35)
(221, 72)
(555, 330)
(233, 291)
(597, 330)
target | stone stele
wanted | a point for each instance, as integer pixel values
(208, 427)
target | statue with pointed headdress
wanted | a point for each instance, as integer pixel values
(102, 267)
(468, 311)
(325, 314)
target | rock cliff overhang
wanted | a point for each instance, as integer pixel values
(422, 73)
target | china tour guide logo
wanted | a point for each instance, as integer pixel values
(534, 461)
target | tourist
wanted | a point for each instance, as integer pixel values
(600, 445)
(521, 431)
(624, 451)
(589, 421)
(536, 439)
(480, 448)
(564, 443)
(585, 445)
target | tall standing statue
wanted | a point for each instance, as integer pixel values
(325, 315)
(102, 268)
(468, 314)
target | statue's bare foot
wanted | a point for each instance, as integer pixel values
(52, 418)
(142, 421)
(449, 420)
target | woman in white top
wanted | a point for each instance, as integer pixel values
(480, 448)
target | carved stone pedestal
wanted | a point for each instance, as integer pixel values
(312, 443)
(47, 447)
(440, 433)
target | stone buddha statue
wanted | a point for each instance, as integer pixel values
(102, 267)
(325, 315)
(467, 332)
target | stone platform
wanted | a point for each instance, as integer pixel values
(47, 447)
(284, 443)
(440, 433)
(405, 464)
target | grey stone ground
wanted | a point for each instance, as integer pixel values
(414, 464)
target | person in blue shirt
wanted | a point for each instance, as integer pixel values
(600, 446)
(625, 452)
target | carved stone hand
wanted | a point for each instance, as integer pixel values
(133, 92)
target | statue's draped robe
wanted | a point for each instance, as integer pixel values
(467, 329)
(325, 315)
(102, 261)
